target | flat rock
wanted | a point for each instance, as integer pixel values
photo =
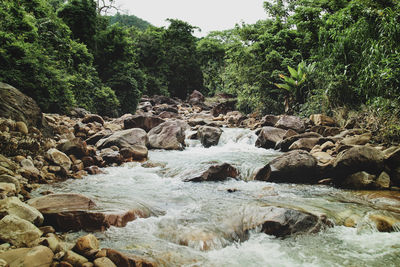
(61, 202)
(322, 120)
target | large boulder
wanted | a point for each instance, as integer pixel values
(357, 159)
(125, 138)
(269, 136)
(14, 206)
(209, 136)
(37, 256)
(19, 107)
(215, 173)
(144, 122)
(168, 135)
(291, 122)
(296, 166)
(18, 232)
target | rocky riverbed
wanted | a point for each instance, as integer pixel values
(41, 150)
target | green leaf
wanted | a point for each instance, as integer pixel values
(293, 72)
(283, 86)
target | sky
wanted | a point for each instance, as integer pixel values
(208, 15)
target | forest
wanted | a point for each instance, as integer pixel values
(307, 56)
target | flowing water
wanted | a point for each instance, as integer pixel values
(198, 224)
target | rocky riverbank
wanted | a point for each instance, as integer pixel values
(41, 148)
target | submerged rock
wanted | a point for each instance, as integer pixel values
(216, 173)
(209, 136)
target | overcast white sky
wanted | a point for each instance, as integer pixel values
(209, 15)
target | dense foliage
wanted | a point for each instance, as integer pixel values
(353, 46)
(308, 56)
(129, 21)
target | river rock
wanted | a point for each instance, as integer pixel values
(209, 136)
(19, 107)
(269, 120)
(76, 147)
(74, 258)
(269, 136)
(223, 108)
(358, 159)
(285, 144)
(135, 152)
(121, 259)
(103, 262)
(322, 120)
(87, 245)
(59, 158)
(144, 122)
(282, 222)
(5, 178)
(168, 135)
(39, 256)
(216, 173)
(356, 139)
(65, 202)
(93, 118)
(8, 189)
(296, 166)
(304, 144)
(291, 122)
(18, 232)
(196, 98)
(125, 138)
(14, 206)
(92, 140)
(384, 223)
(358, 180)
(91, 220)
(21, 127)
(263, 173)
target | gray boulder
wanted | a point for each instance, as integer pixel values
(125, 138)
(209, 136)
(168, 135)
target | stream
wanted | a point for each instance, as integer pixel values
(195, 224)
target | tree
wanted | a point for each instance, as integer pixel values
(184, 73)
